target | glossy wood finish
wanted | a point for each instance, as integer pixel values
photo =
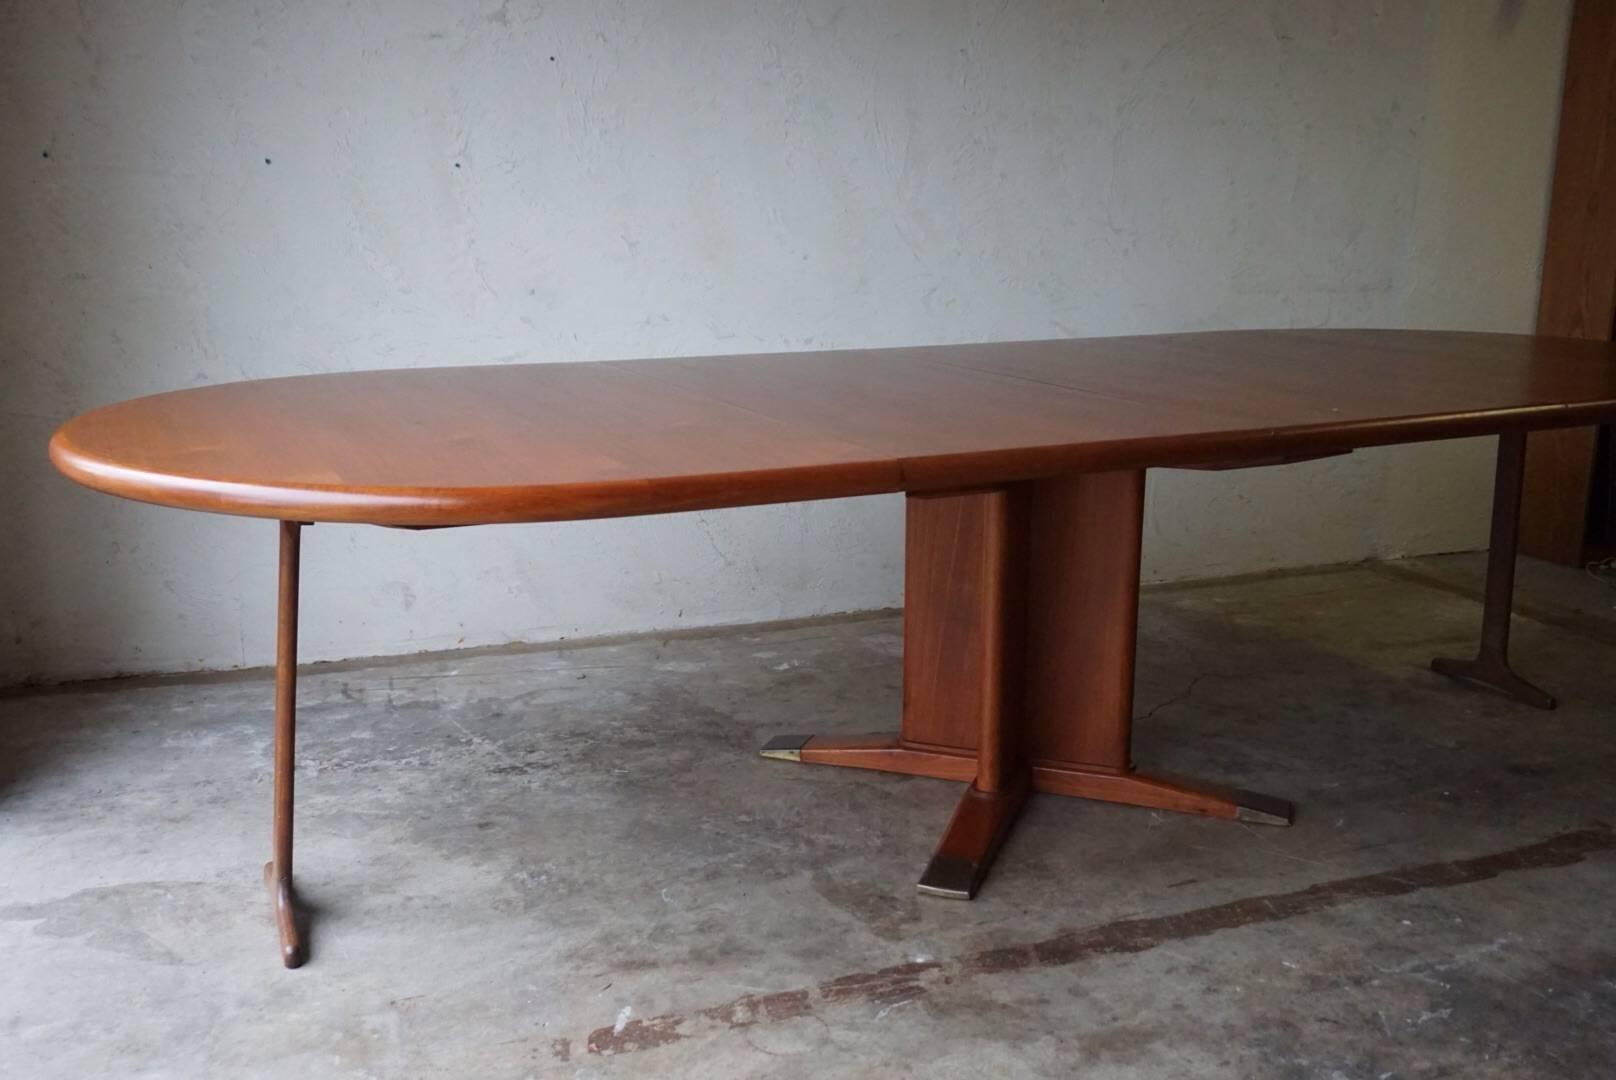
(278, 871)
(1085, 536)
(1578, 294)
(1001, 554)
(542, 442)
(1491, 665)
(947, 621)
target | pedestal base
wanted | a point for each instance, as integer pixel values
(1020, 613)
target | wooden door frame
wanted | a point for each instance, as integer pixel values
(1578, 294)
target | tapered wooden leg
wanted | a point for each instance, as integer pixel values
(278, 871)
(1490, 668)
(1066, 634)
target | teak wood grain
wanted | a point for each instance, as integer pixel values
(1074, 552)
(548, 442)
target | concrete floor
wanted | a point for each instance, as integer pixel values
(570, 863)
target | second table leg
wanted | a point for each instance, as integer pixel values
(278, 871)
(1490, 667)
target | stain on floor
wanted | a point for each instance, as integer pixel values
(904, 983)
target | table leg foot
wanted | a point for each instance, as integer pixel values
(284, 901)
(1164, 792)
(785, 747)
(1491, 667)
(974, 835)
(884, 753)
(1495, 674)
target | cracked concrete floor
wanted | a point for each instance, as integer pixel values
(571, 863)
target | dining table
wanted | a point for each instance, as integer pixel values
(1023, 466)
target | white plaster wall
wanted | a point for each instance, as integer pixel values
(238, 190)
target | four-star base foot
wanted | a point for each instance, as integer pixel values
(1156, 791)
(980, 823)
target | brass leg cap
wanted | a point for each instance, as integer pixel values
(785, 747)
(1494, 675)
(951, 877)
(1257, 809)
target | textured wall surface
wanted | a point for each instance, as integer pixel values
(200, 192)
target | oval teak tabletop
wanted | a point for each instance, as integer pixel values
(548, 442)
